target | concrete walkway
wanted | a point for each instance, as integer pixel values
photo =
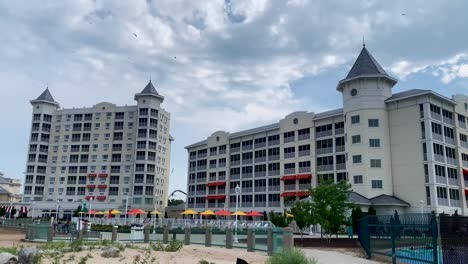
(334, 257)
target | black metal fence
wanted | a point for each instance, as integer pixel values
(410, 238)
(454, 239)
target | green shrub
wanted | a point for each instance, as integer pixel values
(11, 250)
(290, 256)
(173, 246)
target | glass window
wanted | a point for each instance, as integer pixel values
(355, 119)
(374, 143)
(357, 159)
(377, 184)
(356, 139)
(358, 179)
(373, 122)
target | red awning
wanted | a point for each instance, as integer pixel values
(92, 175)
(102, 175)
(215, 197)
(91, 186)
(216, 183)
(101, 198)
(466, 191)
(89, 197)
(304, 176)
(303, 193)
(289, 177)
(102, 186)
(465, 171)
(288, 194)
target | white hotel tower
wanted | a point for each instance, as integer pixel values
(108, 155)
(404, 151)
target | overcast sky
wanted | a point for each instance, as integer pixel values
(221, 65)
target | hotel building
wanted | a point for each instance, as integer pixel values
(404, 151)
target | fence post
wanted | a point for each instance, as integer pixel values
(270, 248)
(288, 238)
(50, 233)
(228, 237)
(435, 233)
(208, 234)
(114, 233)
(250, 240)
(393, 234)
(165, 234)
(146, 234)
(187, 236)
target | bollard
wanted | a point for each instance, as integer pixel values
(270, 248)
(288, 238)
(80, 235)
(50, 234)
(146, 234)
(187, 236)
(165, 234)
(228, 237)
(114, 233)
(250, 240)
(208, 234)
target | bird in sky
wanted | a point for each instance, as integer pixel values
(136, 36)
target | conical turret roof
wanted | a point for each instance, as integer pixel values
(149, 89)
(45, 96)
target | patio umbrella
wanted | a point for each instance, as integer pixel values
(136, 211)
(289, 215)
(99, 213)
(92, 212)
(223, 213)
(115, 211)
(239, 213)
(207, 212)
(155, 212)
(189, 212)
(254, 213)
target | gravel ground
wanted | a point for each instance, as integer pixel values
(334, 256)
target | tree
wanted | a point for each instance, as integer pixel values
(279, 220)
(172, 202)
(330, 205)
(77, 211)
(356, 214)
(303, 215)
(371, 211)
(265, 216)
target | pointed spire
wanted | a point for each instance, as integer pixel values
(46, 96)
(149, 89)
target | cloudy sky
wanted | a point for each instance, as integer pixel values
(221, 64)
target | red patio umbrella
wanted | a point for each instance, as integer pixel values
(223, 213)
(254, 213)
(136, 211)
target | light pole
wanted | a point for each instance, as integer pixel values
(89, 211)
(237, 189)
(421, 202)
(57, 211)
(155, 209)
(126, 207)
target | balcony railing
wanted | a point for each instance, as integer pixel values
(235, 176)
(466, 183)
(212, 191)
(222, 165)
(304, 153)
(304, 137)
(324, 133)
(203, 192)
(247, 147)
(247, 161)
(222, 177)
(439, 158)
(260, 189)
(247, 175)
(454, 203)
(233, 150)
(340, 148)
(450, 141)
(201, 180)
(201, 167)
(452, 161)
(273, 143)
(235, 162)
(274, 188)
(202, 155)
(465, 163)
(448, 120)
(246, 204)
(260, 204)
(273, 157)
(453, 181)
(222, 151)
(443, 201)
(339, 131)
(341, 166)
(462, 124)
(260, 145)
(436, 136)
(441, 179)
(290, 171)
(290, 187)
(212, 178)
(321, 151)
(274, 204)
(304, 169)
(325, 167)
(213, 153)
(260, 159)
(289, 155)
(435, 116)
(246, 189)
(274, 173)
(288, 139)
(212, 166)
(200, 205)
(464, 144)
(305, 186)
(260, 173)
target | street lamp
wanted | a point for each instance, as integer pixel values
(237, 189)
(126, 207)
(57, 211)
(155, 209)
(89, 211)
(421, 202)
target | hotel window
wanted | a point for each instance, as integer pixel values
(373, 122)
(374, 143)
(356, 139)
(358, 179)
(355, 119)
(375, 163)
(377, 184)
(357, 159)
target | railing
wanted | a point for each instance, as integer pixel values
(213, 153)
(247, 175)
(464, 144)
(339, 131)
(304, 153)
(450, 141)
(192, 180)
(222, 151)
(273, 157)
(273, 143)
(202, 167)
(325, 167)
(465, 163)
(201, 180)
(260, 159)
(290, 171)
(321, 151)
(439, 158)
(192, 169)
(212, 166)
(341, 166)
(260, 189)
(247, 204)
(452, 161)
(435, 116)
(442, 201)
(340, 148)
(235, 162)
(436, 136)
(324, 133)
(304, 169)
(276, 188)
(274, 204)
(235, 176)
(260, 173)
(421, 114)
(290, 187)
(274, 173)
(247, 161)
(212, 178)
(202, 155)
(441, 179)
(304, 137)
(448, 120)
(288, 139)
(246, 189)
(260, 145)
(200, 205)
(453, 181)
(235, 149)
(466, 183)
(201, 192)
(222, 177)
(462, 124)
(305, 186)
(260, 204)
(222, 165)
(454, 203)
(289, 155)
(247, 147)
(212, 191)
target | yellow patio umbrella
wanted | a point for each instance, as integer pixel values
(99, 213)
(155, 212)
(239, 213)
(189, 212)
(207, 212)
(289, 215)
(115, 211)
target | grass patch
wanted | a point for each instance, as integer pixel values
(11, 250)
(290, 256)
(173, 246)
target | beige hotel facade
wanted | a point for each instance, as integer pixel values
(404, 151)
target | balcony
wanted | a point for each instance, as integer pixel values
(435, 116)
(324, 133)
(247, 161)
(304, 153)
(464, 144)
(222, 165)
(273, 157)
(260, 159)
(450, 141)
(441, 179)
(191, 169)
(321, 151)
(290, 171)
(235, 177)
(260, 189)
(247, 175)
(465, 163)
(288, 139)
(448, 120)
(200, 205)
(442, 201)
(454, 203)
(274, 188)
(274, 204)
(453, 181)
(290, 187)
(222, 177)
(246, 190)
(273, 143)
(276, 173)
(201, 167)
(193, 157)
(437, 137)
(260, 173)
(212, 191)
(202, 155)
(201, 192)
(246, 147)
(439, 158)
(462, 124)
(289, 155)
(222, 151)
(304, 137)
(212, 166)
(305, 186)
(246, 204)
(452, 161)
(260, 204)
(340, 148)
(192, 181)
(466, 183)
(260, 145)
(235, 162)
(304, 169)
(339, 131)
(191, 193)
(341, 166)
(201, 180)
(325, 167)
(233, 150)
(213, 153)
